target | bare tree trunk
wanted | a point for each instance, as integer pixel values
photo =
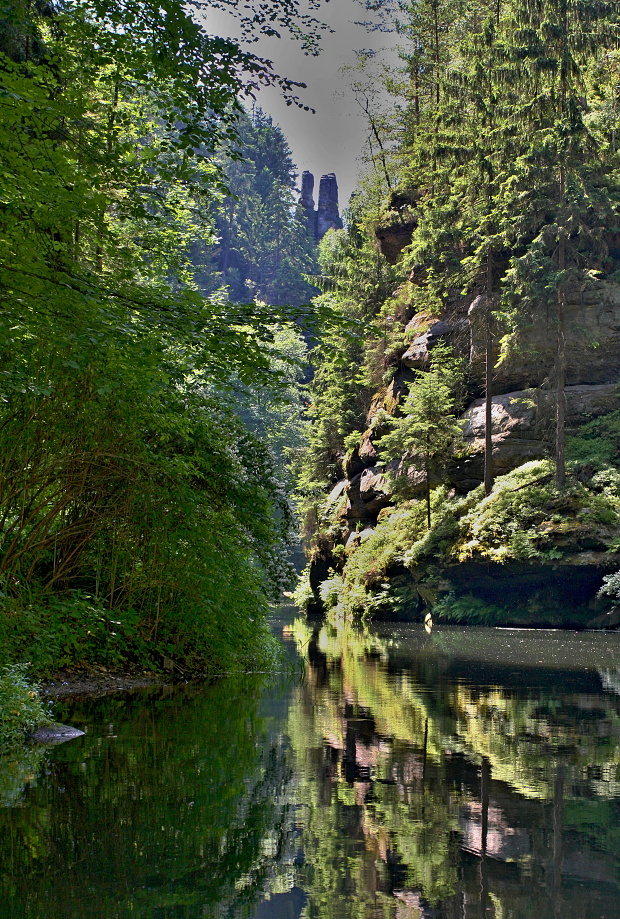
(560, 439)
(436, 49)
(560, 436)
(365, 106)
(428, 496)
(488, 400)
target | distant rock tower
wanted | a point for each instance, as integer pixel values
(327, 215)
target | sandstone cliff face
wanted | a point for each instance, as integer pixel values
(523, 401)
(393, 238)
(523, 415)
(592, 343)
(524, 427)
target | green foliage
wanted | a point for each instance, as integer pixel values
(21, 709)
(524, 519)
(597, 442)
(135, 504)
(330, 591)
(356, 280)
(274, 409)
(210, 773)
(425, 431)
(611, 587)
(303, 595)
(467, 609)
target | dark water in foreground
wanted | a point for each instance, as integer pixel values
(471, 773)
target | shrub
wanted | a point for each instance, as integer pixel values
(21, 709)
(467, 609)
(303, 597)
(611, 587)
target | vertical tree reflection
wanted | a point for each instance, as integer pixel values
(430, 784)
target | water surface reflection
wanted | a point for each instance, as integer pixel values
(470, 773)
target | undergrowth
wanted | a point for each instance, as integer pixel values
(524, 519)
(74, 631)
(21, 709)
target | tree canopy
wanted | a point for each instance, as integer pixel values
(130, 490)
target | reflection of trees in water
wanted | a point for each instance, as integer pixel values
(182, 814)
(429, 796)
(19, 769)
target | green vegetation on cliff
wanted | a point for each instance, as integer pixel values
(494, 348)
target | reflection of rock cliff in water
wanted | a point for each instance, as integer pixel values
(327, 214)
(439, 793)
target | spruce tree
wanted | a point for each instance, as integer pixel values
(563, 185)
(477, 92)
(424, 433)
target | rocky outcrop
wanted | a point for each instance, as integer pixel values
(374, 490)
(306, 201)
(523, 428)
(592, 339)
(306, 198)
(393, 238)
(523, 419)
(327, 214)
(428, 331)
(540, 594)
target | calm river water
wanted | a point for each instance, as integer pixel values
(464, 774)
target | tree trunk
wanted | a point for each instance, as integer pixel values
(560, 436)
(488, 400)
(436, 49)
(560, 439)
(428, 496)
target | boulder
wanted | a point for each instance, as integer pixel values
(356, 508)
(366, 451)
(416, 357)
(354, 465)
(337, 492)
(53, 734)
(374, 490)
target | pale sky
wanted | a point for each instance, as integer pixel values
(332, 139)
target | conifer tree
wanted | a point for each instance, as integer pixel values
(462, 224)
(563, 185)
(423, 436)
(477, 97)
